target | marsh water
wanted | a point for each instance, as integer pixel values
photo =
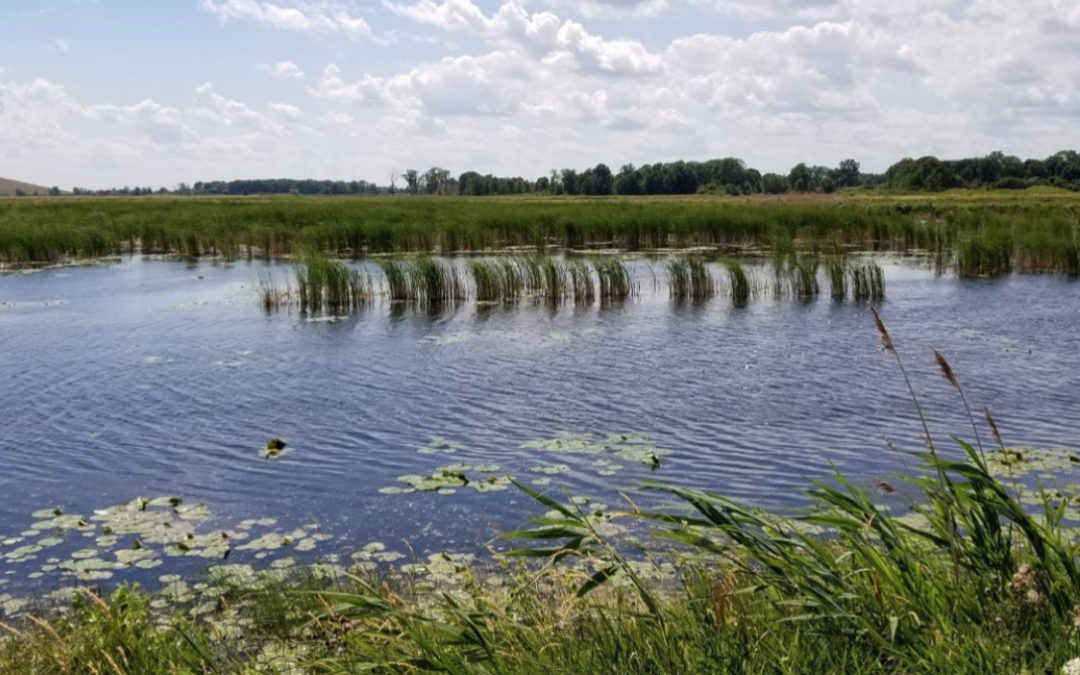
(149, 378)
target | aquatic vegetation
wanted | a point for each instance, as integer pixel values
(272, 297)
(141, 534)
(275, 447)
(738, 283)
(689, 279)
(795, 277)
(423, 281)
(979, 231)
(327, 286)
(867, 281)
(980, 257)
(616, 282)
(838, 273)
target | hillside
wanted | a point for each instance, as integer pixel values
(8, 188)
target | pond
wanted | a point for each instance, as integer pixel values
(153, 379)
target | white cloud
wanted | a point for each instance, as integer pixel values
(613, 8)
(526, 85)
(288, 70)
(62, 44)
(299, 16)
(287, 112)
(542, 34)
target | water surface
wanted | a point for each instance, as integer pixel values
(149, 378)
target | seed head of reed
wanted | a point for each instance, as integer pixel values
(886, 339)
(946, 369)
(993, 426)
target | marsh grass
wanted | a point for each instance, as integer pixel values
(615, 281)
(983, 257)
(424, 281)
(838, 273)
(328, 286)
(796, 277)
(273, 298)
(867, 281)
(739, 283)
(1031, 231)
(689, 278)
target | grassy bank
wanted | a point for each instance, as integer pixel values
(975, 573)
(968, 231)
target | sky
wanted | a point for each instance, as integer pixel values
(104, 93)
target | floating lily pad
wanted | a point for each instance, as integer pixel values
(444, 479)
(149, 563)
(552, 469)
(439, 446)
(392, 490)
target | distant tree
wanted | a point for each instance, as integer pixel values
(928, 174)
(19, 192)
(847, 174)
(435, 180)
(412, 180)
(54, 191)
(570, 181)
(394, 175)
(602, 180)
(800, 178)
(774, 184)
(627, 181)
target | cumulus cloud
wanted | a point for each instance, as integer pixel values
(612, 8)
(521, 86)
(299, 16)
(288, 70)
(542, 34)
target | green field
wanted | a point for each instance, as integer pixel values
(977, 233)
(9, 188)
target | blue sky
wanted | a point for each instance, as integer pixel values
(100, 93)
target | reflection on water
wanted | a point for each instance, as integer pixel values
(157, 378)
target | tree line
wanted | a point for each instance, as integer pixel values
(729, 176)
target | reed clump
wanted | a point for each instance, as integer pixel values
(272, 297)
(838, 274)
(867, 281)
(739, 284)
(615, 281)
(325, 286)
(689, 278)
(796, 277)
(423, 280)
(983, 257)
